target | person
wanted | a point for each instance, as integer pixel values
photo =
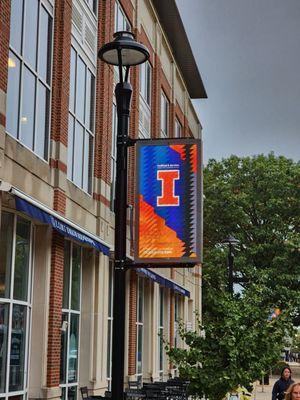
(293, 392)
(282, 385)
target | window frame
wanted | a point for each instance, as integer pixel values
(140, 324)
(38, 79)
(161, 327)
(12, 302)
(76, 120)
(69, 312)
(178, 128)
(164, 115)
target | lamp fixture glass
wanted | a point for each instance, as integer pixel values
(124, 48)
(231, 240)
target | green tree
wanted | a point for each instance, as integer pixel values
(257, 200)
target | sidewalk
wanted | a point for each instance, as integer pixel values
(263, 392)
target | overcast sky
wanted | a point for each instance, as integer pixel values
(248, 54)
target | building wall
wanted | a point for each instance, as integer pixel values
(47, 181)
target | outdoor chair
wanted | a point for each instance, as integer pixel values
(85, 394)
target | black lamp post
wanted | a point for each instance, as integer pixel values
(231, 242)
(123, 51)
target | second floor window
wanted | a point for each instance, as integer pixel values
(145, 101)
(164, 115)
(121, 21)
(81, 123)
(29, 75)
(93, 5)
(178, 129)
(145, 82)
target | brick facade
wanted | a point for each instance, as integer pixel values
(53, 181)
(4, 41)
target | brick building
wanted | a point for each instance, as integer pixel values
(57, 168)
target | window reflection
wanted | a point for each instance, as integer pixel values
(12, 114)
(17, 348)
(30, 32)
(6, 240)
(76, 269)
(22, 259)
(70, 320)
(27, 111)
(15, 244)
(63, 348)
(44, 48)
(4, 312)
(16, 10)
(81, 123)
(73, 348)
(78, 146)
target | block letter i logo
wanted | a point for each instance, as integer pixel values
(167, 178)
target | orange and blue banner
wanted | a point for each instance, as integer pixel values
(168, 201)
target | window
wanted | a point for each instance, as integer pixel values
(93, 5)
(81, 123)
(29, 75)
(145, 101)
(121, 21)
(15, 303)
(140, 326)
(145, 82)
(178, 129)
(70, 320)
(160, 333)
(176, 317)
(164, 115)
(109, 325)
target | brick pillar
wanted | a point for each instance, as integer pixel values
(104, 99)
(4, 42)
(60, 99)
(55, 306)
(132, 324)
(4, 49)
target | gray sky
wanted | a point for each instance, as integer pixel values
(248, 54)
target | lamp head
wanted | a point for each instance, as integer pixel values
(123, 51)
(230, 240)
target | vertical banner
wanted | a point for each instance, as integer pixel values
(168, 201)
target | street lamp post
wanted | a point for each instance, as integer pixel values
(123, 51)
(231, 242)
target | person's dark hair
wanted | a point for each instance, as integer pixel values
(288, 395)
(283, 369)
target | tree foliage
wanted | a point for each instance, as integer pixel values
(257, 200)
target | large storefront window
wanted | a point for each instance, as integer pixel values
(161, 333)
(29, 74)
(140, 326)
(70, 321)
(15, 304)
(109, 324)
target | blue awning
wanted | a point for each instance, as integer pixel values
(161, 280)
(59, 225)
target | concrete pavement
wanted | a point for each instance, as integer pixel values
(265, 392)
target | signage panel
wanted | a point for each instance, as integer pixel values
(168, 201)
